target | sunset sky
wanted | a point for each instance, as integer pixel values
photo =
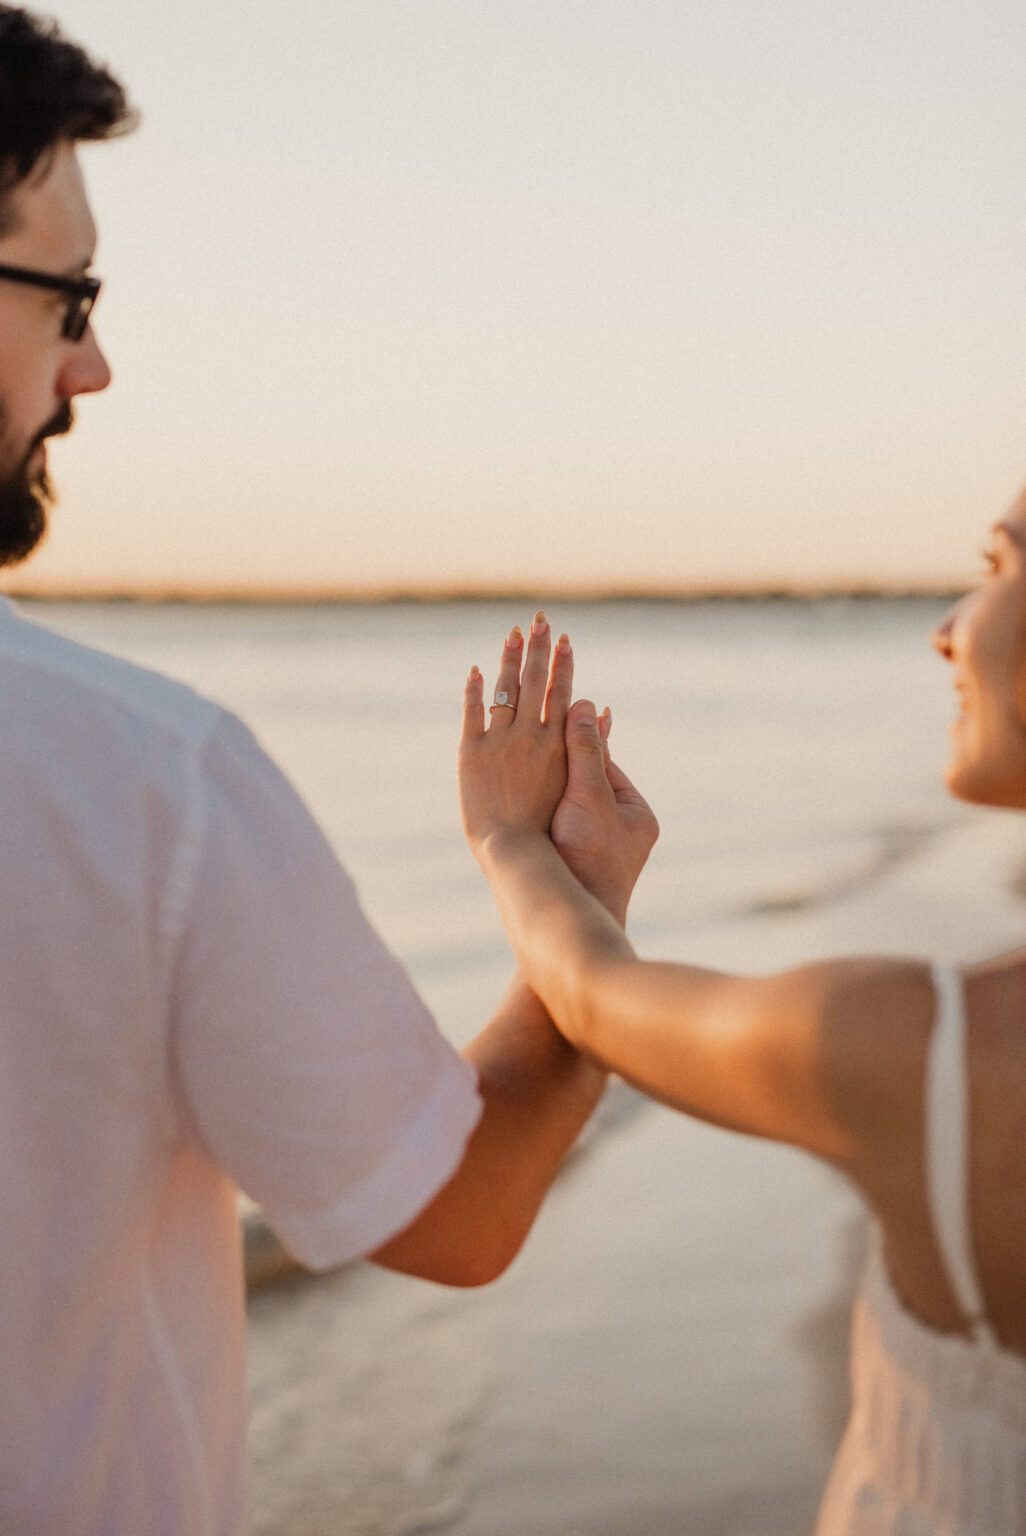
(552, 293)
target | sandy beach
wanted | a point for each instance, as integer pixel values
(667, 1354)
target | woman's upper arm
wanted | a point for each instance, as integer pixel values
(828, 1057)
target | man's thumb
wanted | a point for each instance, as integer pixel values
(586, 764)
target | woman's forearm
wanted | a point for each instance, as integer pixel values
(564, 939)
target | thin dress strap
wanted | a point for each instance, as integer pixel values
(947, 1147)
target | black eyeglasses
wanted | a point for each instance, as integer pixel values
(80, 292)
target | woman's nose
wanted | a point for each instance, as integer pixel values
(941, 637)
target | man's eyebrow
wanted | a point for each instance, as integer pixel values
(1010, 533)
(79, 268)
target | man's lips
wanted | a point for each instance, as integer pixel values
(35, 461)
(59, 424)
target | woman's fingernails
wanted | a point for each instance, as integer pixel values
(475, 675)
(606, 721)
(539, 624)
(515, 638)
(563, 645)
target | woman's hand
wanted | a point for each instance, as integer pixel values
(603, 827)
(513, 774)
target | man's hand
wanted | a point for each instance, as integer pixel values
(603, 827)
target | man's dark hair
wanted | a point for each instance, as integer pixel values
(50, 89)
(51, 92)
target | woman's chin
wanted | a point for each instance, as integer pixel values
(964, 780)
(954, 783)
(972, 783)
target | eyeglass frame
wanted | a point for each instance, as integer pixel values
(82, 293)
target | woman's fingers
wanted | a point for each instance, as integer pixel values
(561, 684)
(526, 686)
(505, 700)
(473, 706)
(536, 669)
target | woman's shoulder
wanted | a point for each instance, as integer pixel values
(876, 1023)
(996, 1058)
(995, 994)
(993, 1193)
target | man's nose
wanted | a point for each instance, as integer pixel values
(85, 370)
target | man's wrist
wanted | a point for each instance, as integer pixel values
(510, 845)
(609, 893)
(615, 902)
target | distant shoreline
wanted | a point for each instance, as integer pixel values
(380, 597)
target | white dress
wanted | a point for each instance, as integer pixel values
(936, 1442)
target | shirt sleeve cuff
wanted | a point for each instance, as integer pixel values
(423, 1160)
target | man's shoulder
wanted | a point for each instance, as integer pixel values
(45, 671)
(94, 729)
(99, 701)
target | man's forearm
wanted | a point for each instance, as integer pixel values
(538, 1093)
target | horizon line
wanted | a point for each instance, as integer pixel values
(312, 595)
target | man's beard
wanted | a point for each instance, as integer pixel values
(25, 498)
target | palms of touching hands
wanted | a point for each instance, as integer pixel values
(543, 769)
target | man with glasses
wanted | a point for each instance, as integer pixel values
(45, 293)
(79, 294)
(191, 999)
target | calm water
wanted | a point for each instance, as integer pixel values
(788, 748)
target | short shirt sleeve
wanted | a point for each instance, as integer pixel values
(307, 1066)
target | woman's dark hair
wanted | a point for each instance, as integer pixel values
(50, 89)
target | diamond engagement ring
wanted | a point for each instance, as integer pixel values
(504, 701)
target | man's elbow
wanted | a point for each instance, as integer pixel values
(463, 1265)
(473, 1268)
